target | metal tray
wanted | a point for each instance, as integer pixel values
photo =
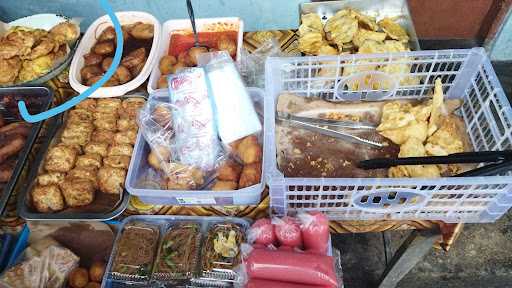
(378, 9)
(27, 212)
(46, 96)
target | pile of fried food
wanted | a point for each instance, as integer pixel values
(423, 130)
(27, 54)
(87, 278)
(12, 140)
(169, 64)
(93, 153)
(137, 37)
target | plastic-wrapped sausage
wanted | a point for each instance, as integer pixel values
(315, 231)
(257, 283)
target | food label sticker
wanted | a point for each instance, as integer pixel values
(196, 201)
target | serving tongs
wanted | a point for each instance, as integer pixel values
(501, 162)
(363, 133)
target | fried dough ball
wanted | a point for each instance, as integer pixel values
(225, 185)
(87, 172)
(123, 74)
(120, 149)
(50, 178)
(178, 66)
(117, 161)
(228, 45)
(102, 136)
(142, 31)
(193, 54)
(106, 63)
(88, 160)
(80, 115)
(111, 180)
(162, 82)
(88, 104)
(229, 171)
(108, 122)
(134, 58)
(78, 278)
(77, 192)
(135, 70)
(162, 115)
(251, 175)
(96, 271)
(60, 159)
(88, 72)
(249, 150)
(100, 148)
(166, 64)
(104, 48)
(109, 34)
(93, 80)
(92, 59)
(47, 199)
(126, 137)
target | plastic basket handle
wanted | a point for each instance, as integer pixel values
(367, 85)
(390, 200)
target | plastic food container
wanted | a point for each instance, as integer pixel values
(467, 75)
(184, 24)
(38, 99)
(89, 39)
(139, 166)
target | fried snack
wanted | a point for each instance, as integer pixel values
(78, 278)
(226, 44)
(437, 105)
(111, 180)
(124, 124)
(122, 74)
(108, 34)
(401, 121)
(102, 136)
(135, 70)
(394, 30)
(131, 106)
(249, 150)
(106, 63)
(100, 148)
(251, 175)
(309, 43)
(88, 104)
(32, 69)
(92, 59)
(60, 159)
(50, 178)
(364, 20)
(96, 271)
(310, 22)
(88, 72)
(414, 148)
(126, 137)
(364, 35)
(76, 147)
(162, 82)
(120, 149)
(113, 103)
(10, 69)
(11, 146)
(90, 159)
(448, 139)
(80, 115)
(162, 115)
(157, 155)
(106, 122)
(47, 199)
(103, 48)
(166, 63)
(77, 192)
(134, 58)
(65, 32)
(142, 31)
(340, 29)
(85, 172)
(118, 161)
(184, 177)
(229, 171)
(77, 133)
(224, 185)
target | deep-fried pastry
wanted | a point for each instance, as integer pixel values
(182, 177)
(80, 114)
(111, 180)
(77, 133)
(126, 137)
(100, 148)
(77, 192)
(118, 161)
(107, 122)
(224, 185)
(10, 69)
(112, 103)
(229, 171)
(88, 104)
(251, 175)
(60, 159)
(89, 159)
(50, 178)
(102, 136)
(47, 199)
(84, 172)
(126, 124)
(249, 150)
(120, 149)
(132, 105)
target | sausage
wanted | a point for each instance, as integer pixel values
(11, 147)
(311, 269)
(18, 128)
(315, 231)
(258, 283)
(6, 170)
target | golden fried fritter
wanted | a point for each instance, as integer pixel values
(182, 177)
(9, 70)
(249, 150)
(120, 149)
(224, 185)
(229, 171)
(131, 106)
(126, 124)
(89, 173)
(50, 178)
(413, 147)
(393, 29)
(90, 159)
(251, 175)
(107, 122)
(112, 103)
(77, 192)
(111, 180)
(47, 199)
(126, 137)
(76, 147)
(80, 115)
(142, 31)
(77, 133)
(117, 161)
(35, 68)
(448, 139)
(45, 47)
(65, 32)
(102, 136)
(100, 148)
(60, 159)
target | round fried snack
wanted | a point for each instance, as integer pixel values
(229, 171)
(111, 180)
(88, 72)
(142, 31)
(251, 175)
(77, 192)
(96, 271)
(122, 74)
(228, 45)
(162, 82)
(92, 59)
(47, 199)
(105, 64)
(249, 150)
(109, 34)
(166, 64)
(78, 278)
(134, 58)
(103, 48)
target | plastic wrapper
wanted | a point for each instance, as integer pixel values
(285, 266)
(235, 114)
(221, 249)
(135, 252)
(262, 232)
(315, 231)
(178, 253)
(257, 283)
(288, 231)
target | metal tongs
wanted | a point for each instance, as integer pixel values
(335, 128)
(501, 162)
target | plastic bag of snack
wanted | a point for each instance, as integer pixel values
(258, 283)
(315, 231)
(262, 232)
(288, 231)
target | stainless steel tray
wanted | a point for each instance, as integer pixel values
(376, 8)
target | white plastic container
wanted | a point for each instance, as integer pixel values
(206, 24)
(139, 166)
(466, 74)
(89, 40)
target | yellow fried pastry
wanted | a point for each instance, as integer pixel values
(229, 171)
(50, 178)
(60, 159)
(120, 149)
(47, 199)
(251, 175)
(126, 124)
(77, 192)
(224, 185)
(117, 161)
(100, 148)
(102, 136)
(88, 104)
(393, 29)
(87, 172)
(126, 137)
(106, 122)
(111, 180)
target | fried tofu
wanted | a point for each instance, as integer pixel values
(102, 136)
(88, 104)
(251, 175)
(47, 199)
(111, 180)
(50, 178)
(77, 192)
(60, 159)
(100, 148)
(107, 122)
(127, 124)
(89, 160)
(126, 137)
(225, 186)
(117, 161)
(120, 149)
(229, 171)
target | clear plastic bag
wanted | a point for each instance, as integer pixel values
(315, 231)
(288, 231)
(262, 232)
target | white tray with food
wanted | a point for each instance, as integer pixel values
(177, 37)
(94, 54)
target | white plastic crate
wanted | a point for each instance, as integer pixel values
(466, 74)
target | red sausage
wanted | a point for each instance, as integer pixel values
(257, 283)
(262, 231)
(288, 232)
(315, 231)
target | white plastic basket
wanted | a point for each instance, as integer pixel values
(466, 74)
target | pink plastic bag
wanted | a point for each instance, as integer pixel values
(262, 232)
(288, 231)
(315, 231)
(257, 283)
(302, 268)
